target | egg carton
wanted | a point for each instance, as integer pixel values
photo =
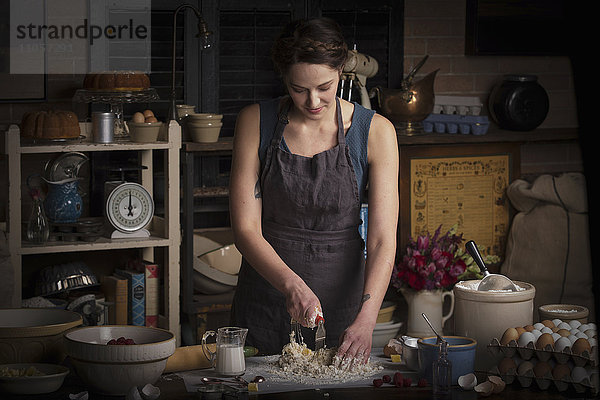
(461, 105)
(512, 348)
(454, 123)
(582, 380)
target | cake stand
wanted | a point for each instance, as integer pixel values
(116, 99)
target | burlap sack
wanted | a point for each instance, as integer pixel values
(548, 243)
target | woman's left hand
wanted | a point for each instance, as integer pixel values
(355, 343)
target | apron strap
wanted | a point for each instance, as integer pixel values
(282, 121)
(340, 121)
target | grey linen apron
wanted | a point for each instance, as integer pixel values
(311, 214)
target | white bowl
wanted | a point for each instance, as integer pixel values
(51, 380)
(115, 369)
(204, 132)
(384, 332)
(226, 258)
(144, 132)
(34, 335)
(204, 116)
(209, 280)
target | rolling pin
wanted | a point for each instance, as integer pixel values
(187, 358)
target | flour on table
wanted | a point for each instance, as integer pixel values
(299, 363)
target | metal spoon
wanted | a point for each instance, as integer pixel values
(489, 281)
(440, 339)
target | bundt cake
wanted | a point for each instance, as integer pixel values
(50, 125)
(116, 80)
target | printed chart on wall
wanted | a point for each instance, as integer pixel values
(469, 192)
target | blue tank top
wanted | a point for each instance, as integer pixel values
(357, 138)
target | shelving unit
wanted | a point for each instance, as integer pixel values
(165, 231)
(198, 307)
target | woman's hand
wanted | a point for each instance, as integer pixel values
(302, 304)
(355, 343)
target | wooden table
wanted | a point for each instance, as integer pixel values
(172, 388)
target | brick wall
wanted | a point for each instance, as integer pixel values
(437, 28)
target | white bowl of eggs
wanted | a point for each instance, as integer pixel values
(144, 127)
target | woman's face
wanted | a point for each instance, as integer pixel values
(312, 88)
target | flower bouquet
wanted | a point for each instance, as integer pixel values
(435, 262)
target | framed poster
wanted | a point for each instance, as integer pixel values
(462, 185)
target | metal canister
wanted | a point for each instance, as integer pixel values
(103, 127)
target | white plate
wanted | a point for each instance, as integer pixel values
(51, 381)
(388, 325)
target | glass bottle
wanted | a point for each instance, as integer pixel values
(442, 372)
(38, 228)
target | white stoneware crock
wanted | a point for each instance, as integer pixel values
(486, 315)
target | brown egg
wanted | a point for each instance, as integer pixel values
(529, 328)
(544, 340)
(520, 330)
(561, 371)
(151, 119)
(509, 334)
(563, 332)
(581, 345)
(554, 329)
(548, 323)
(524, 368)
(138, 117)
(506, 365)
(148, 113)
(541, 369)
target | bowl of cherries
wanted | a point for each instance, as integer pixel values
(111, 359)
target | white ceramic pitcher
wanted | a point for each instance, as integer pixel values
(431, 303)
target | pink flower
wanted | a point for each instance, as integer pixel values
(422, 242)
(436, 253)
(457, 268)
(430, 262)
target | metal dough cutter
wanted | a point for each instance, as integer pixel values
(320, 334)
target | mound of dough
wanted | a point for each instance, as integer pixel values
(301, 364)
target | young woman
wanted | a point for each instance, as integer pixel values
(300, 168)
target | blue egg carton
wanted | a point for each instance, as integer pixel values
(455, 123)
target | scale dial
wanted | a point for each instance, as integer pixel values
(129, 207)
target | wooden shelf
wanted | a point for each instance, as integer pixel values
(206, 192)
(165, 230)
(494, 135)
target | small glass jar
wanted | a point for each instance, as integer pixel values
(38, 228)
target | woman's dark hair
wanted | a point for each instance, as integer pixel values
(313, 41)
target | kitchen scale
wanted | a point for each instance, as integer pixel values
(129, 208)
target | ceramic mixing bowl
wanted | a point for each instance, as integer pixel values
(144, 132)
(34, 335)
(461, 353)
(113, 369)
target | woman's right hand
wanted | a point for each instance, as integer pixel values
(302, 304)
